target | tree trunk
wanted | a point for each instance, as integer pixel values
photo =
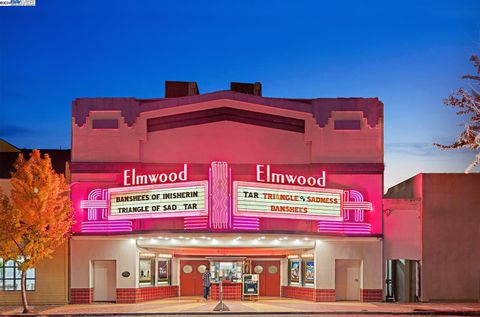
(24, 293)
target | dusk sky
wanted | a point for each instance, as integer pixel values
(410, 54)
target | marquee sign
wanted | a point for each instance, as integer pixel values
(279, 201)
(159, 201)
(220, 203)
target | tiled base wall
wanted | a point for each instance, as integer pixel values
(311, 294)
(136, 295)
(125, 295)
(231, 292)
(325, 295)
(81, 295)
(371, 295)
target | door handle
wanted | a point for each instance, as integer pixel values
(356, 280)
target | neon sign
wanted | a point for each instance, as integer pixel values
(279, 201)
(222, 203)
(265, 175)
(159, 201)
(131, 178)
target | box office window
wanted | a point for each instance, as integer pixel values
(294, 272)
(308, 269)
(146, 271)
(226, 270)
(164, 271)
(11, 276)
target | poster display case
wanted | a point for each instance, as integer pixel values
(308, 269)
(250, 285)
(294, 272)
(163, 271)
(146, 271)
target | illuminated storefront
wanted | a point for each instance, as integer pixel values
(283, 193)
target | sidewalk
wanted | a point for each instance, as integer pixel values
(272, 306)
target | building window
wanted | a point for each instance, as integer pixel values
(187, 269)
(147, 269)
(11, 277)
(164, 273)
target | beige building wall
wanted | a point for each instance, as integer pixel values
(451, 237)
(84, 250)
(5, 186)
(402, 229)
(51, 284)
(367, 250)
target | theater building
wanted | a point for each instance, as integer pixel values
(277, 196)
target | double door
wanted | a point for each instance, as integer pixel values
(191, 283)
(269, 276)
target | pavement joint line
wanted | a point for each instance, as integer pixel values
(273, 313)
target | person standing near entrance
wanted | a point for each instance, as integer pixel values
(206, 282)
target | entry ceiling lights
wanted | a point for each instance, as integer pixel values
(227, 241)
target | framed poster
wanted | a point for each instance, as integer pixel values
(163, 274)
(294, 271)
(145, 271)
(309, 271)
(250, 284)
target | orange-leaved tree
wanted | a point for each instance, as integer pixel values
(37, 216)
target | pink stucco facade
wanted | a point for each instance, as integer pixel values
(293, 137)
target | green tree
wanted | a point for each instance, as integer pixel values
(37, 216)
(468, 103)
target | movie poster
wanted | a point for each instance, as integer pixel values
(145, 271)
(309, 272)
(163, 271)
(295, 271)
(250, 284)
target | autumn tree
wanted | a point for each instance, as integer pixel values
(468, 103)
(36, 218)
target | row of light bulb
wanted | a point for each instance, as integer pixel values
(235, 240)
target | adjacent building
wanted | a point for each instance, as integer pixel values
(48, 282)
(432, 238)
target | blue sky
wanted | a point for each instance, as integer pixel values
(410, 54)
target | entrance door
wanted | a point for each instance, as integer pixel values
(191, 283)
(104, 281)
(269, 277)
(347, 279)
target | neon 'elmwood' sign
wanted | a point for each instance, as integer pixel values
(279, 201)
(155, 201)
